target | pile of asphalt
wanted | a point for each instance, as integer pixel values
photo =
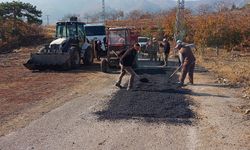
(158, 100)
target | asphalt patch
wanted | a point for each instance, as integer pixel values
(154, 102)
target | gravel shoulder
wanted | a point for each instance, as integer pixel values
(221, 125)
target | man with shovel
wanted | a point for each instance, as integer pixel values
(187, 60)
(126, 62)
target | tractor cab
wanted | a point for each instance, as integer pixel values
(118, 39)
(69, 29)
(72, 31)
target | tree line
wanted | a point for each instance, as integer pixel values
(225, 27)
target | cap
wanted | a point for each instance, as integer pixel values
(178, 43)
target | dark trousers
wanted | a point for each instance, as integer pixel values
(187, 68)
(130, 71)
(166, 59)
(152, 55)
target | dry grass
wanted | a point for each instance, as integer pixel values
(29, 35)
(230, 69)
(49, 31)
(26, 95)
(234, 69)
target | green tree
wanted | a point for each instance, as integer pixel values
(18, 11)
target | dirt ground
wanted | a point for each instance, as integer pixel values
(230, 68)
(27, 95)
(82, 109)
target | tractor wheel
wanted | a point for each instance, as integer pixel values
(74, 58)
(88, 56)
(104, 65)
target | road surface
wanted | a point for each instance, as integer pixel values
(156, 115)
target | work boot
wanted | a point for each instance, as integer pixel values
(179, 83)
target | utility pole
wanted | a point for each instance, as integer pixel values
(103, 11)
(47, 17)
(179, 23)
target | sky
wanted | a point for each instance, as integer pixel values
(57, 9)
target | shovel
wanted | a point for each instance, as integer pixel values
(144, 80)
(174, 72)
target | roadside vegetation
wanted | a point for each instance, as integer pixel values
(20, 23)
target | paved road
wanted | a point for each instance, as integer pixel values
(155, 115)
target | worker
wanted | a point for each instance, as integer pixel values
(127, 60)
(166, 50)
(149, 49)
(155, 49)
(98, 48)
(187, 61)
(161, 52)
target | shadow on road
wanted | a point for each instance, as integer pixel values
(95, 67)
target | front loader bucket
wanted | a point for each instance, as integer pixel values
(46, 60)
